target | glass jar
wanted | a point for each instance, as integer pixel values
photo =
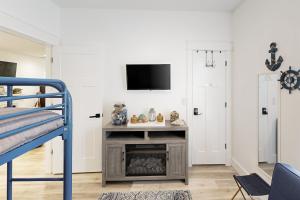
(152, 115)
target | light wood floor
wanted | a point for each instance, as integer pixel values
(267, 167)
(206, 182)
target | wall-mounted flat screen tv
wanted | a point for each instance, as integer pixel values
(148, 77)
(8, 69)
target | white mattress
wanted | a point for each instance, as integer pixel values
(9, 143)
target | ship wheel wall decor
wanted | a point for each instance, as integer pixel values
(290, 80)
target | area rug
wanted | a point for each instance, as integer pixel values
(148, 195)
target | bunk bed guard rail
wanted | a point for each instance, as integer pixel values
(65, 106)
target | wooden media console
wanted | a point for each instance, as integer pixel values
(144, 153)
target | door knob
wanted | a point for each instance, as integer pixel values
(264, 111)
(98, 115)
(196, 112)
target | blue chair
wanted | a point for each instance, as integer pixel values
(285, 184)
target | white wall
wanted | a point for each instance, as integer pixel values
(143, 37)
(33, 18)
(257, 23)
(28, 66)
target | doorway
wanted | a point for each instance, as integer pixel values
(23, 57)
(209, 104)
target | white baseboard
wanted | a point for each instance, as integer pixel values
(238, 167)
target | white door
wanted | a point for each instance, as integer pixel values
(80, 69)
(269, 93)
(209, 120)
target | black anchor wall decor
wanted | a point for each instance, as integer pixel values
(274, 65)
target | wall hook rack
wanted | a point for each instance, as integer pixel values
(212, 61)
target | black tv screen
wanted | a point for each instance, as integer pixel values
(8, 69)
(148, 77)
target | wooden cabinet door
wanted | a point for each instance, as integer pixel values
(176, 160)
(115, 159)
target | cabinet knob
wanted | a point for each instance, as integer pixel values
(196, 111)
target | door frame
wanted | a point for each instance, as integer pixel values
(192, 46)
(56, 72)
(48, 55)
(20, 28)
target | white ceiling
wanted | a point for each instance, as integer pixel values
(21, 45)
(182, 5)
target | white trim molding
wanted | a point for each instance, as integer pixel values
(15, 25)
(239, 168)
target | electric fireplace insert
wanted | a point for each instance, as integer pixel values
(146, 159)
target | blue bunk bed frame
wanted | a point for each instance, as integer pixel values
(65, 132)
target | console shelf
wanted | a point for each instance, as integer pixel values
(166, 135)
(129, 151)
(125, 135)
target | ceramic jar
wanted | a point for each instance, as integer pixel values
(142, 118)
(134, 119)
(174, 116)
(160, 117)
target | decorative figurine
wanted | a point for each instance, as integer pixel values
(274, 65)
(119, 115)
(2, 90)
(174, 116)
(160, 118)
(152, 115)
(178, 122)
(142, 118)
(17, 91)
(134, 119)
